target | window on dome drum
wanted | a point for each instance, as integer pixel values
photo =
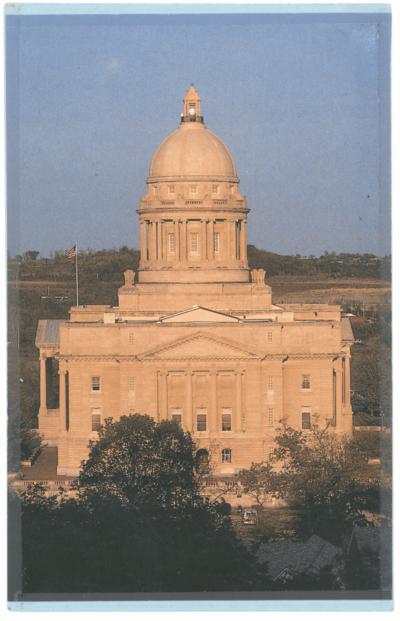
(171, 189)
(226, 456)
(270, 383)
(193, 189)
(215, 188)
(306, 420)
(131, 338)
(269, 337)
(270, 417)
(306, 382)
(96, 419)
(96, 383)
(171, 243)
(194, 243)
(216, 243)
(201, 422)
(226, 420)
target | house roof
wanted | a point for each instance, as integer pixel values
(298, 557)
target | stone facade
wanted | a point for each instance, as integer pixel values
(195, 336)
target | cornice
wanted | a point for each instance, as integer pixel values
(150, 359)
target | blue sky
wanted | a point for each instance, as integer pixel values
(301, 102)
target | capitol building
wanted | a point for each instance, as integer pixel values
(195, 337)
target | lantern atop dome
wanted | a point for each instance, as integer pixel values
(191, 107)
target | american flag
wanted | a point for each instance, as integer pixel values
(71, 253)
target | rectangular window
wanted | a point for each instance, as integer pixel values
(171, 189)
(271, 453)
(177, 418)
(96, 419)
(270, 417)
(226, 420)
(96, 383)
(131, 338)
(306, 382)
(270, 383)
(194, 243)
(171, 243)
(216, 243)
(201, 422)
(226, 455)
(306, 420)
(131, 391)
(269, 337)
(215, 188)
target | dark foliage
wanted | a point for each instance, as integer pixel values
(137, 523)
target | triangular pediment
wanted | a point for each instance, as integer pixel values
(199, 346)
(199, 314)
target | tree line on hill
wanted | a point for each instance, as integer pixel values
(108, 265)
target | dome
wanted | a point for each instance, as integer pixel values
(192, 152)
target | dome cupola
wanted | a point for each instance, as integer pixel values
(192, 151)
(193, 216)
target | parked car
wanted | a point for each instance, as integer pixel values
(250, 517)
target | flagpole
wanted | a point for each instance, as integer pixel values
(76, 273)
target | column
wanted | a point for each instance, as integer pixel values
(347, 392)
(153, 240)
(238, 377)
(243, 399)
(63, 421)
(43, 386)
(204, 240)
(143, 249)
(165, 395)
(177, 244)
(184, 240)
(214, 401)
(232, 240)
(159, 395)
(159, 240)
(243, 240)
(210, 239)
(190, 423)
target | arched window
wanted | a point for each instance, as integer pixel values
(226, 455)
(202, 461)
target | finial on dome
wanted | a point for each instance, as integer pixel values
(191, 106)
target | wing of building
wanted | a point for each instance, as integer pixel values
(195, 336)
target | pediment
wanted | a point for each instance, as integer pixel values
(200, 347)
(199, 314)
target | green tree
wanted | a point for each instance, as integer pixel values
(137, 523)
(259, 482)
(318, 473)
